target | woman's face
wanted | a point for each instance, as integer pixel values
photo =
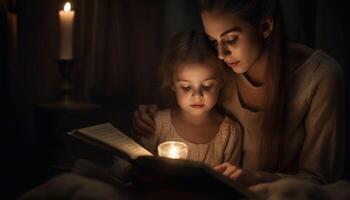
(239, 44)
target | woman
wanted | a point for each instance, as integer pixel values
(288, 97)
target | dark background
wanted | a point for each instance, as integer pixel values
(117, 47)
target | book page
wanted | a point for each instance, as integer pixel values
(111, 136)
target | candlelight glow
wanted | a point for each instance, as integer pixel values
(173, 152)
(67, 7)
(173, 149)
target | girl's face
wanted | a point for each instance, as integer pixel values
(239, 44)
(197, 88)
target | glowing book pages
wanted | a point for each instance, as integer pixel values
(109, 137)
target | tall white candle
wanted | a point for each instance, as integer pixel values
(66, 18)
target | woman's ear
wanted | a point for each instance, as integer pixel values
(266, 26)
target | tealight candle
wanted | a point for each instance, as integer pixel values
(172, 149)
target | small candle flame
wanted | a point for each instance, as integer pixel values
(67, 7)
(174, 152)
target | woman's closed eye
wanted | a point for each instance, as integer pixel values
(231, 40)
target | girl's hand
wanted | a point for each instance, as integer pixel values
(143, 120)
(246, 177)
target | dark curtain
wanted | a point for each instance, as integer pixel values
(119, 45)
(321, 24)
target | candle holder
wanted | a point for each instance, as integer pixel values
(172, 149)
(65, 68)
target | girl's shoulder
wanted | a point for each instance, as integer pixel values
(164, 113)
(230, 133)
(230, 126)
(163, 118)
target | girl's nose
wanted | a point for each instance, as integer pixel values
(198, 93)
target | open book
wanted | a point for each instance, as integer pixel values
(184, 172)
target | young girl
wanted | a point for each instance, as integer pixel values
(195, 76)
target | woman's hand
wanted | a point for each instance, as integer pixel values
(143, 120)
(246, 177)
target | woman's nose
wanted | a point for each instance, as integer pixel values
(222, 51)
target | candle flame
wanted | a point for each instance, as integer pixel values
(174, 152)
(67, 7)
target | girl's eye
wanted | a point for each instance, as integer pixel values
(207, 87)
(185, 88)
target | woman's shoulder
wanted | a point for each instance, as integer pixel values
(318, 73)
(308, 61)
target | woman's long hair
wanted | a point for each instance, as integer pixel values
(273, 126)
